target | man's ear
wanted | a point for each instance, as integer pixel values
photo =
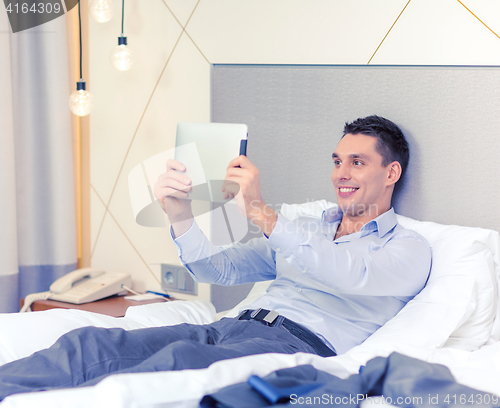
(395, 171)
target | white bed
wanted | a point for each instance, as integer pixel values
(454, 321)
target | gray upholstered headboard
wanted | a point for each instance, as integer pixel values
(295, 115)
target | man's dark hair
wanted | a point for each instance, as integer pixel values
(391, 145)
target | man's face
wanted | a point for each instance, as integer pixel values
(361, 181)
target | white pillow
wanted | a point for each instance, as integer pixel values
(458, 253)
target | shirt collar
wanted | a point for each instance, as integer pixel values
(382, 224)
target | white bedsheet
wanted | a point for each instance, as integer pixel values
(479, 369)
(21, 334)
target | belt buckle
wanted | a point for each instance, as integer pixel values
(271, 317)
(268, 318)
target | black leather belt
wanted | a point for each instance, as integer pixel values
(270, 317)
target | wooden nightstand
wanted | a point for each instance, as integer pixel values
(115, 306)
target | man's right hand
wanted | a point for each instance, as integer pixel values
(171, 190)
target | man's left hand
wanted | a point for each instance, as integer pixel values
(246, 176)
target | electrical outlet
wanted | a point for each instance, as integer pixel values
(177, 279)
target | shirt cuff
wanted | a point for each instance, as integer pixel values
(189, 241)
(285, 237)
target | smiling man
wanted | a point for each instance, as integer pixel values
(338, 273)
(369, 160)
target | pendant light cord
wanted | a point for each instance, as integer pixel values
(80, 28)
(123, 14)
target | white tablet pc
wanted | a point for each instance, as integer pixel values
(206, 150)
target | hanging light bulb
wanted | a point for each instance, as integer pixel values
(121, 57)
(80, 101)
(101, 10)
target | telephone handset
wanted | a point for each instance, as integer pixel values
(88, 284)
(67, 281)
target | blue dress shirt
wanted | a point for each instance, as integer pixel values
(343, 290)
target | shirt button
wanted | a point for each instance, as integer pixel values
(278, 249)
(304, 270)
(299, 290)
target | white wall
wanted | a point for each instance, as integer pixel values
(174, 43)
